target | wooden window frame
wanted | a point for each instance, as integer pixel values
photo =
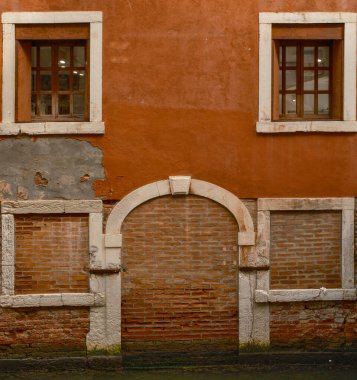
(311, 35)
(56, 25)
(28, 36)
(295, 23)
(55, 71)
(334, 111)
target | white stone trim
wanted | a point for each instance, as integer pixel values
(113, 241)
(52, 300)
(307, 18)
(306, 126)
(247, 280)
(304, 295)
(95, 299)
(263, 294)
(266, 20)
(51, 17)
(180, 185)
(52, 128)
(95, 124)
(51, 207)
(8, 254)
(305, 204)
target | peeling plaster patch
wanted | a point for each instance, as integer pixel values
(5, 189)
(49, 168)
(39, 180)
(85, 178)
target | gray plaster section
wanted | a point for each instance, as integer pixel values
(49, 168)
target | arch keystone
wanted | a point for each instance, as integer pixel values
(180, 185)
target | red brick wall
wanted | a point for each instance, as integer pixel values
(180, 282)
(305, 249)
(43, 331)
(314, 325)
(51, 254)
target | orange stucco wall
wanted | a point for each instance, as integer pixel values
(180, 96)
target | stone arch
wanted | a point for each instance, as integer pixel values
(183, 186)
(106, 323)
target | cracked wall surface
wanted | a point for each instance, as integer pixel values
(49, 168)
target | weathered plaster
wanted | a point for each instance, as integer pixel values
(61, 161)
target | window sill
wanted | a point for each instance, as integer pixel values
(52, 300)
(306, 126)
(303, 295)
(53, 128)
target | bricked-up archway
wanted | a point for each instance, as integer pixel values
(108, 324)
(181, 272)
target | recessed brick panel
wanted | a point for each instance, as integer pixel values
(314, 325)
(305, 249)
(51, 254)
(43, 331)
(180, 283)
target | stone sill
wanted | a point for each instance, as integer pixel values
(306, 126)
(53, 128)
(302, 295)
(52, 300)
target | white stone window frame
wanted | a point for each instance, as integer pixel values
(9, 126)
(8, 298)
(347, 291)
(266, 21)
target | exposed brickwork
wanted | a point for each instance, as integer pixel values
(180, 282)
(42, 331)
(314, 325)
(51, 253)
(305, 249)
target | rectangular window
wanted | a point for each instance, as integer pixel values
(59, 80)
(52, 73)
(305, 89)
(307, 73)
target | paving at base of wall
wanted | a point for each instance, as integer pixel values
(243, 361)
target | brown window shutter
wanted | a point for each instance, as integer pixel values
(23, 81)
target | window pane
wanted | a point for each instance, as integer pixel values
(280, 80)
(45, 56)
(280, 104)
(309, 104)
(46, 80)
(290, 80)
(309, 58)
(63, 80)
(79, 80)
(309, 80)
(46, 104)
(290, 56)
(33, 105)
(323, 56)
(63, 105)
(323, 104)
(323, 80)
(33, 56)
(290, 103)
(78, 104)
(64, 56)
(33, 81)
(79, 56)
